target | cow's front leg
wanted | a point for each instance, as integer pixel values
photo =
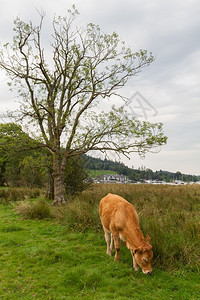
(135, 265)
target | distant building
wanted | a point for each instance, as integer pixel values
(112, 178)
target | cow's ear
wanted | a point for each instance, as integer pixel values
(148, 239)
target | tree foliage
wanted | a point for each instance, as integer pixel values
(76, 176)
(19, 165)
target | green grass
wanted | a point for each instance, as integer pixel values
(169, 214)
(43, 259)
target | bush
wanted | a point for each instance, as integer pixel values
(76, 178)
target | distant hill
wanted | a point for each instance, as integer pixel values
(97, 166)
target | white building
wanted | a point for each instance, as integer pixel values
(112, 178)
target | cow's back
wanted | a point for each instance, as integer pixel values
(116, 212)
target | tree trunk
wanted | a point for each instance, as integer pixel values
(50, 185)
(58, 178)
(59, 193)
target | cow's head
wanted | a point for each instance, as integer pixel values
(143, 256)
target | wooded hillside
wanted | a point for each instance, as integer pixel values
(139, 174)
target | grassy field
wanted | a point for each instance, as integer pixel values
(63, 256)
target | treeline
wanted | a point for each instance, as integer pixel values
(140, 174)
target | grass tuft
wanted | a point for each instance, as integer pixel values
(79, 215)
(38, 209)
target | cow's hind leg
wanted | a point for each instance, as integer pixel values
(107, 238)
(117, 245)
(111, 243)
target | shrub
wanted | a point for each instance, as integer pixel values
(76, 178)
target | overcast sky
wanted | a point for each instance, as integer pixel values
(167, 91)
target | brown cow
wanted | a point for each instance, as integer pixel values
(120, 220)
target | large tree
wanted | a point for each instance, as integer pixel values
(59, 91)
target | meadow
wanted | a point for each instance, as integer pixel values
(60, 253)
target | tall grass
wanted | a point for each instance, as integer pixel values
(169, 214)
(17, 194)
(38, 209)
